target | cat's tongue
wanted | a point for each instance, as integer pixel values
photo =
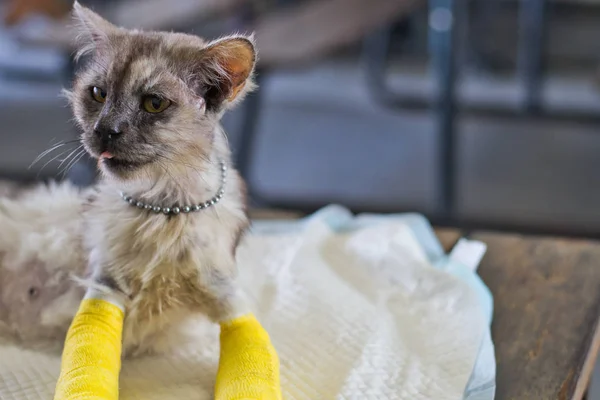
(106, 154)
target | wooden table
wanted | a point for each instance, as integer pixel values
(547, 308)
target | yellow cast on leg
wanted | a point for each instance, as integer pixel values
(248, 365)
(91, 359)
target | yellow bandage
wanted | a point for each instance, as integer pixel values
(91, 359)
(249, 366)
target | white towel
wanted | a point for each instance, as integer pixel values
(354, 314)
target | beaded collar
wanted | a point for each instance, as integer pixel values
(178, 209)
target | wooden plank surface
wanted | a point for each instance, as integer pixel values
(448, 237)
(545, 329)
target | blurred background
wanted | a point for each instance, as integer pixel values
(477, 113)
(480, 113)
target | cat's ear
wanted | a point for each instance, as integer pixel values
(92, 30)
(228, 65)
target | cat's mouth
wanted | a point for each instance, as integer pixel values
(116, 164)
(120, 164)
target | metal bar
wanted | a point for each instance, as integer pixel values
(501, 110)
(443, 36)
(442, 39)
(532, 40)
(531, 71)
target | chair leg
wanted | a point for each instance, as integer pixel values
(532, 38)
(443, 25)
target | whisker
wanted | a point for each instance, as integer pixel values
(51, 149)
(73, 161)
(49, 161)
(76, 150)
(44, 153)
(66, 172)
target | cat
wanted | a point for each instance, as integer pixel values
(162, 225)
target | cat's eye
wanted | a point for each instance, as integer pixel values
(155, 104)
(98, 94)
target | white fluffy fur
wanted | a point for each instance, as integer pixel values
(40, 248)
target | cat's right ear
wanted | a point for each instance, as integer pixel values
(92, 30)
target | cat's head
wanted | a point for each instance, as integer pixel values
(149, 99)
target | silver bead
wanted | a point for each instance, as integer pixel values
(147, 207)
(221, 192)
(156, 209)
(132, 201)
(139, 204)
(201, 206)
(186, 209)
(195, 207)
(166, 210)
(207, 204)
(223, 167)
(127, 198)
(175, 210)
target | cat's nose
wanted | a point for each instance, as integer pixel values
(105, 132)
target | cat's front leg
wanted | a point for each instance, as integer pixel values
(221, 296)
(248, 361)
(225, 301)
(101, 278)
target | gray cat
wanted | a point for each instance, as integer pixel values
(162, 225)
